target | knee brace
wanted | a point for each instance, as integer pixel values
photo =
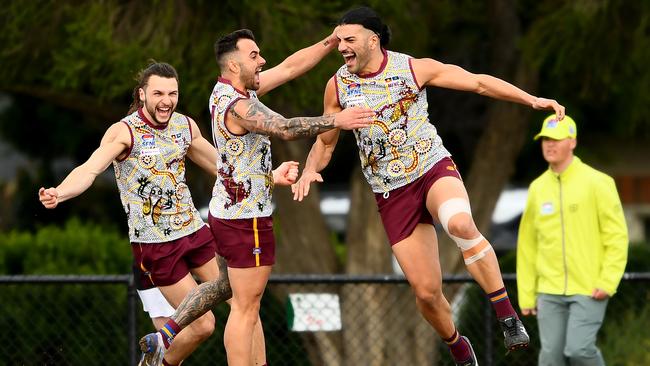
(472, 249)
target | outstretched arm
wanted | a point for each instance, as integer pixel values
(430, 72)
(322, 150)
(201, 151)
(296, 64)
(116, 141)
(251, 115)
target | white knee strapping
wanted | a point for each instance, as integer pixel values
(450, 208)
(473, 249)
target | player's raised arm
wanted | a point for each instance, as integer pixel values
(322, 150)
(296, 64)
(430, 72)
(116, 142)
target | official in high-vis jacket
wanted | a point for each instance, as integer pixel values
(571, 250)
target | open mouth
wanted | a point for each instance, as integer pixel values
(164, 112)
(349, 58)
(257, 74)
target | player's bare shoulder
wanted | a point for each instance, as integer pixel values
(118, 132)
(330, 97)
(426, 69)
(119, 136)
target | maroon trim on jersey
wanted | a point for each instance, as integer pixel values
(225, 116)
(189, 125)
(149, 123)
(336, 87)
(381, 67)
(226, 81)
(128, 153)
(414, 77)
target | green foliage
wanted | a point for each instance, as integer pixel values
(76, 248)
(627, 350)
(578, 47)
(92, 310)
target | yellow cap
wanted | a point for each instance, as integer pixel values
(558, 130)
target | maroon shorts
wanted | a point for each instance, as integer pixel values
(406, 206)
(244, 243)
(165, 263)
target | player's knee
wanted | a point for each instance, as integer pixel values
(463, 226)
(455, 216)
(430, 295)
(248, 307)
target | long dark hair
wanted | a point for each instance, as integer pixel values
(162, 69)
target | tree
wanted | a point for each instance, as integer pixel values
(77, 63)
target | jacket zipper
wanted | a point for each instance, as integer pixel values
(566, 272)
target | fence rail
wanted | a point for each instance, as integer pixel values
(76, 320)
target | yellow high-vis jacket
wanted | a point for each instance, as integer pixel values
(572, 235)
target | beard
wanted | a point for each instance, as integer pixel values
(250, 79)
(152, 112)
(360, 61)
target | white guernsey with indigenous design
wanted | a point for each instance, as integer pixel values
(245, 179)
(151, 180)
(400, 145)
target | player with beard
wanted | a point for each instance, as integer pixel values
(170, 241)
(410, 171)
(240, 209)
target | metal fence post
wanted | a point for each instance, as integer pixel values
(132, 320)
(489, 335)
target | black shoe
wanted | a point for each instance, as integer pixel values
(514, 333)
(472, 360)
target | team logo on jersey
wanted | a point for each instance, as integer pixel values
(148, 140)
(354, 89)
(149, 145)
(547, 208)
(355, 97)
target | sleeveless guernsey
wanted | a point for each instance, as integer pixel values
(151, 181)
(400, 145)
(245, 179)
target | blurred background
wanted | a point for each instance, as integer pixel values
(67, 73)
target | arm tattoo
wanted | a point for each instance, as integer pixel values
(204, 297)
(260, 119)
(326, 42)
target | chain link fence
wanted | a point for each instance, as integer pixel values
(308, 320)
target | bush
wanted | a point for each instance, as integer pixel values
(76, 248)
(56, 323)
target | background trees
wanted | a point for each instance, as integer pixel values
(68, 67)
